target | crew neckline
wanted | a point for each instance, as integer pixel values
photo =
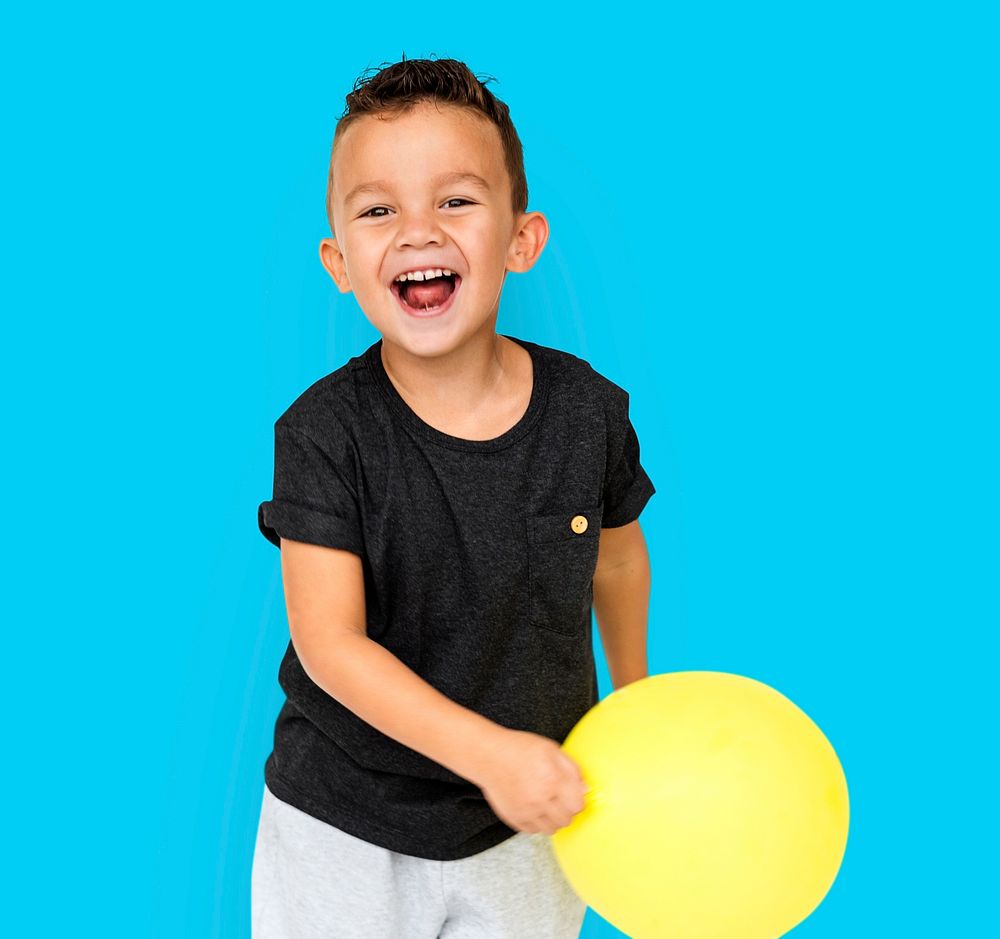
(539, 391)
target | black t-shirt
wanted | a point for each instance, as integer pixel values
(478, 560)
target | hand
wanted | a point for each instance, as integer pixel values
(531, 784)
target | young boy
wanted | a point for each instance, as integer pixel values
(449, 504)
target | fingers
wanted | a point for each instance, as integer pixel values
(572, 766)
(560, 814)
(577, 777)
(576, 774)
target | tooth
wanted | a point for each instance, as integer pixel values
(418, 275)
(438, 272)
(447, 272)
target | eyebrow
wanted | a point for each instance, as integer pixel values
(380, 185)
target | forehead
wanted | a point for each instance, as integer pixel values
(417, 148)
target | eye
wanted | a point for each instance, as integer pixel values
(382, 208)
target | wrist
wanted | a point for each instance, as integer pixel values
(483, 744)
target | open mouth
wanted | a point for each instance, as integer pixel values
(430, 297)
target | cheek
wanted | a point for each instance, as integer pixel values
(488, 250)
(363, 263)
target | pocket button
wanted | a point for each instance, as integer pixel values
(579, 524)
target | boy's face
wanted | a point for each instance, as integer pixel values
(415, 217)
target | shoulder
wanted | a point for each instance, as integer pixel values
(576, 376)
(329, 403)
(602, 404)
(329, 411)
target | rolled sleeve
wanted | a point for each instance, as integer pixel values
(314, 498)
(627, 486)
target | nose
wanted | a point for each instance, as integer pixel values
(418, 228)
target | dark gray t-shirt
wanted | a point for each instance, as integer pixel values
(478, 560)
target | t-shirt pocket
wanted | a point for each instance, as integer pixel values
(562, 558)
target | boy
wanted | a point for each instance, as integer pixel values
(449, 506)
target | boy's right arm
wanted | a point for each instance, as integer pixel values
(525, 777)
(325, 600)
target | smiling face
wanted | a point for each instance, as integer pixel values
(426, 190)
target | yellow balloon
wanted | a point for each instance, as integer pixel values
(717, 809)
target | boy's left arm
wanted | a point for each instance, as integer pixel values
(621, 601)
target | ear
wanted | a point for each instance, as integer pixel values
(333, 260)
(529, 238)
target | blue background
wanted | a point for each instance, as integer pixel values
(774, 224)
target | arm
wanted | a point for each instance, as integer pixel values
(324, 595)
(621, 601)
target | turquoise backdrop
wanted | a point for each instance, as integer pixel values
(775, 224)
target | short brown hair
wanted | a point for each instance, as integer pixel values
(397, 87)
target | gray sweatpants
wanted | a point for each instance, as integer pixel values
(310, 879)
